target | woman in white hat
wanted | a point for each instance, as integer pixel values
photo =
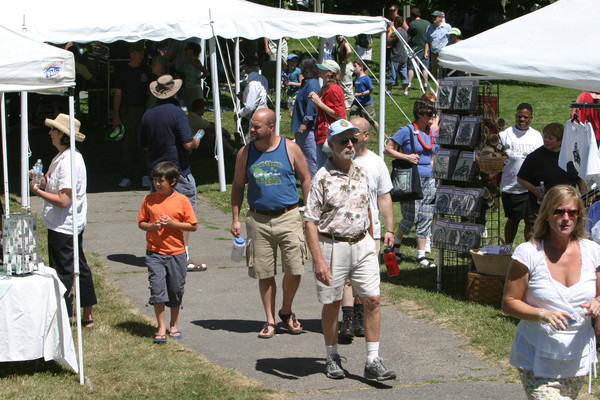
(56, 191)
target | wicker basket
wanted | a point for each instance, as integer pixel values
(492, 264)
(491, 165)
(485, 289)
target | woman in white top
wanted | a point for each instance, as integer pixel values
(552, 286)
(56, 191)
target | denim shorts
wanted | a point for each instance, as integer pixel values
(396, 70)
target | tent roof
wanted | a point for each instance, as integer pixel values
(28, 65)
(553, 45)
(132, 21)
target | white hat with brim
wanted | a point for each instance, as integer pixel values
(61, 123)
(165, 87)
(340, 126)
(329, 65)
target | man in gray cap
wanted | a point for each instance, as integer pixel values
(436, 39)
(339, 236)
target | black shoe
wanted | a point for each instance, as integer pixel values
(346, 329)
(359, 329)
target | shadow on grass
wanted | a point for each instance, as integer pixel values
(294, 368)
(29, 368)
(128, 259)
(136, 328)
(247, 326)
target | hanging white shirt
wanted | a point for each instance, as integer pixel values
(519, 144)
(579, 146)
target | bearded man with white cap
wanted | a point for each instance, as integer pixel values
(339, 236)
(166, 135)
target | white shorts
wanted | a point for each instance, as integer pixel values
(357, 262)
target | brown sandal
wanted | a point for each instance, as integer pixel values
(264, 333)
(295, 328)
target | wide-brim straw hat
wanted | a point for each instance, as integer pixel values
(61, 122)
(165, 87)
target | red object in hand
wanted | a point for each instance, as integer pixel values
(389, 257)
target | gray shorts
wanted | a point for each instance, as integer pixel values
(166, 275)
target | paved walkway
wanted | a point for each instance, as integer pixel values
(222, 314)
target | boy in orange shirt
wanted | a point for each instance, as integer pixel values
(165, 215)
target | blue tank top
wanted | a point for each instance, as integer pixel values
(271, 179)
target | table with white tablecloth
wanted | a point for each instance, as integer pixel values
(33, 319)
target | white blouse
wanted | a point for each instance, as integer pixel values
(539, 347)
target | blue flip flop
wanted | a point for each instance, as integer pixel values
(160, 338)
(175, 335)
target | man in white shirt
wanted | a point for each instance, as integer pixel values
(380, 199)
(519, 140)
(254, 95)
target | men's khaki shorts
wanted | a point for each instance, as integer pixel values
(265, 235)
(356, 262)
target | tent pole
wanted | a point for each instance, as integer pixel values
(278, 87)
(236, 70)
(74, 204)
(4, 155)
(381, 131)
(24, 152)
(217, 105)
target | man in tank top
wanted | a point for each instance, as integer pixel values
(270, 165)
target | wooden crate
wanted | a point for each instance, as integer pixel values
(485, 288)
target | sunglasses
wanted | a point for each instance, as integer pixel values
(430, 113)
(559, 212)
(344, 142)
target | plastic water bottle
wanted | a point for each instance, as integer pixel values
(199, 134)
(36, 179)
(391, 264)
(543, 191)
(238, 249)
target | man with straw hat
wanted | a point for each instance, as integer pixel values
(166, 135)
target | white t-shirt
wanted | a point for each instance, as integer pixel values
(379, 183)
(519, 144)
(58, 177)
(564, 353)
(579, 146)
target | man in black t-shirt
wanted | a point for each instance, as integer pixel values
(129, 105)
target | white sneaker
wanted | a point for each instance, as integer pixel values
(146, 182)
(125, 182)
(406, 93)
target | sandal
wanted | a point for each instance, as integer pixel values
(424, 262)
(295, 327)
(193, 266)
(264, 333)
(175, 334)
(160, 338)
(88, 323)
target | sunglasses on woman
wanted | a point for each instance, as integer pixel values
(344, 142)
(559, 212)
(430, 113)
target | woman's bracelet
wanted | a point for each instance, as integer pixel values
(236, 220)
(388, 231)
(541, 313)
(597, 299)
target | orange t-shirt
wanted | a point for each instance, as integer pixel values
(168, 241)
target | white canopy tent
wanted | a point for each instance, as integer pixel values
(551, 46)
(31, 66)
(118, 20)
